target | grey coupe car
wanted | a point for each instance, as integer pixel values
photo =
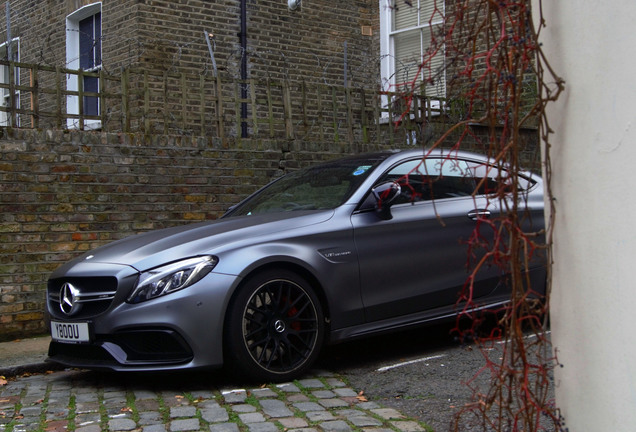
(353, 247)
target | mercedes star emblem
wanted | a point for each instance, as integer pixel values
(69, 299)
(279, 326)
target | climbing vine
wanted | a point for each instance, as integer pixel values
(499, 81)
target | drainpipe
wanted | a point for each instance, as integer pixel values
(9, 48)
(243, 39)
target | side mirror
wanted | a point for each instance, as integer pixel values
(385, 195)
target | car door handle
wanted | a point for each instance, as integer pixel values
(478, 214)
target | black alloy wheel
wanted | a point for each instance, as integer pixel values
(275, 327)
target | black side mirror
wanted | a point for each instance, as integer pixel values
(385, 195)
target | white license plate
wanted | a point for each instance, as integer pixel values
(70, 332)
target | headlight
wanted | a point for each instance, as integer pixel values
(170, 278)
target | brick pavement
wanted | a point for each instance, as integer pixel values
(81, 402)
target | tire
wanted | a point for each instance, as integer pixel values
(275, 327)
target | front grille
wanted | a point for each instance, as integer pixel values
(95, 296)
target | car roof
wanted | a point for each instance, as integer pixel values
(398, 154)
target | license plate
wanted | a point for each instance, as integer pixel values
(70, 332)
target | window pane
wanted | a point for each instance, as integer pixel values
(415, 48)
(431, 11)
(421, 13)
(87, 44)
(98, 39)
(5, 76)
(408, 56)
(433, 72)
(404, 16)
(432, 179)
(446, 178)
(90, 37)
(91, 103)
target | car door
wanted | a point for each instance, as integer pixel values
(419, 259)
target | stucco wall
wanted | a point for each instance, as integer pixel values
(593, 152)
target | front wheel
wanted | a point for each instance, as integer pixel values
(275, 327)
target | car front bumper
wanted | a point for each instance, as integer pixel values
(181, 330)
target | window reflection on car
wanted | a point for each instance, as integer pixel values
(320, 188)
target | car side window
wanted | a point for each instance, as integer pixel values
(491, 180)
(431, 179)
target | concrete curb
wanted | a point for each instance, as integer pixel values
(25, 356)
(30, 368)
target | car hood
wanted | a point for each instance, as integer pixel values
(154, 248)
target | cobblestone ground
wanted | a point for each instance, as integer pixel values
(89, 402)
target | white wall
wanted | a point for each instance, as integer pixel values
(592, 45)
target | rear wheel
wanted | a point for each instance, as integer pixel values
(275, 327)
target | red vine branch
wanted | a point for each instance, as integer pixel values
(497, 72)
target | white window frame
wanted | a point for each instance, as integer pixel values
(73, 62)
(387, 43)
(4, 78)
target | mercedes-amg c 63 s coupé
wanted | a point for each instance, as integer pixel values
(353, 247)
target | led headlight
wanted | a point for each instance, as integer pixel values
(170, 278)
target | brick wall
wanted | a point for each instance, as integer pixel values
(309, 43)
(304, 44)
(63, 193)
(163, 35)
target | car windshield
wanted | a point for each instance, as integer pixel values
(317, 188)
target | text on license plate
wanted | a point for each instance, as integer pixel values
(69, 332)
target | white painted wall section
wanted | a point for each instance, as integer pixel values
(592, 45)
